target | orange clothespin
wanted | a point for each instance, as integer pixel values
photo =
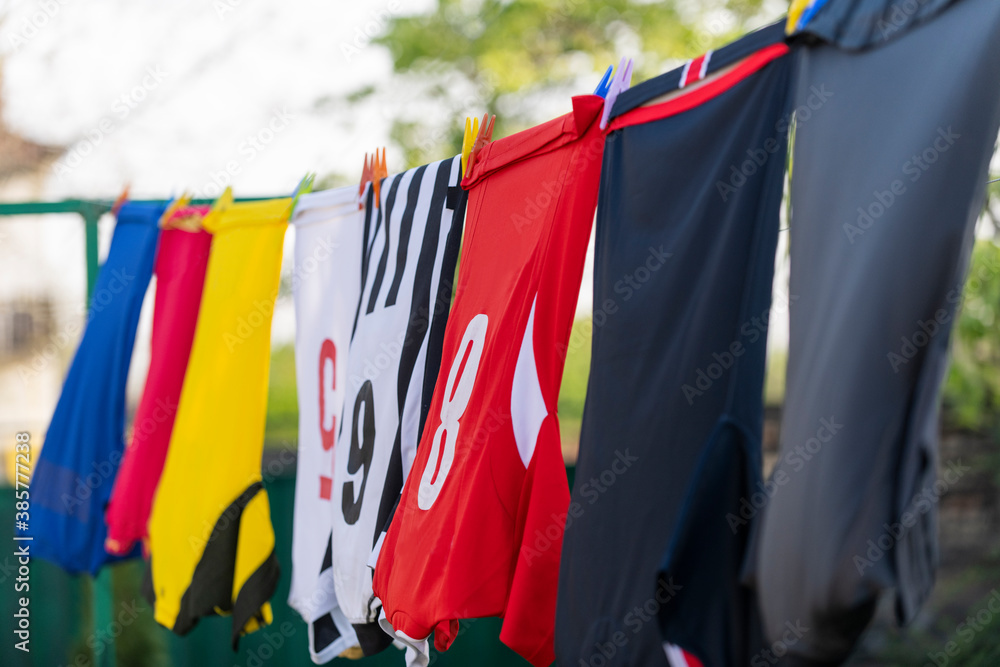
(187, 218)
(484, 137)
(122, 198)
(380, 171)
(366, 176)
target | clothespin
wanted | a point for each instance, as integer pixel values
(187, 218)
(484, 137)
(366, 177)
(379, 171)
(795, 12)
(620, 82)
(605, 84)
(468, 139)
(810, 13)
(220, 205)
(174, 206)
(120, 201)
(305, 185)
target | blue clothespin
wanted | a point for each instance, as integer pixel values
(605, 84)
(810, 13)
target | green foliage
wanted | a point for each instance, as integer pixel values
(505, 56)
(573, 391)
(971, 644)
(282, 398)
(132, 634)
(972, 391)
(142, 641)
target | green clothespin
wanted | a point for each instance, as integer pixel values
(304, 186)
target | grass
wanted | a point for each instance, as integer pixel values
(282, 399)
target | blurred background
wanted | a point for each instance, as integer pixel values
(254, 93)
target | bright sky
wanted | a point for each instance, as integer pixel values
(168, 95)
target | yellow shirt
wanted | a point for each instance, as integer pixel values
(210, 535)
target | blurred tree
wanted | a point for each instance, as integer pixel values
(972, 392)
(514, 57)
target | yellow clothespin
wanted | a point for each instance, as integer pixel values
(120, 201)
(794, 14)
(224, 201)
(468, 139)
(174, 206)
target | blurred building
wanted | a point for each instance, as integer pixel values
(30, 314)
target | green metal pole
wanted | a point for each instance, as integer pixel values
(103, 588)
(90, 218)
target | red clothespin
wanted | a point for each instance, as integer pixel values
(122, 198)
(484, 137)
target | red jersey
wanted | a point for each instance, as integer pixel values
(181, 261)
(478, 529)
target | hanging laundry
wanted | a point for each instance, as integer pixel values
(488, 482)
(83, 448)
(889, 178)
(180, 275)
(859, 24)
(327, 285)
(687, 227)
(410, 238)
(210, 534)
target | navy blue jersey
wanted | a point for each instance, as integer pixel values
(687, 226)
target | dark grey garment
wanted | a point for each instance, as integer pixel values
(857, 24)
(888, 179)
